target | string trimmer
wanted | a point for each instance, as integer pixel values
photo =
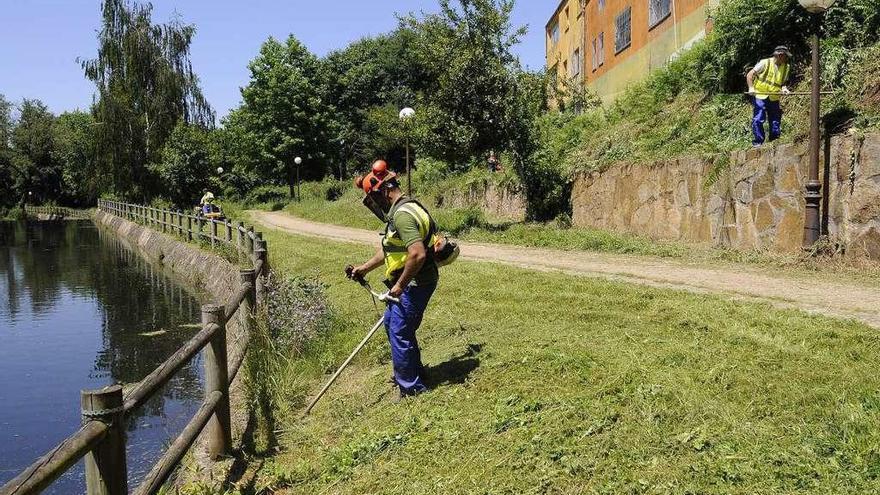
(349, 272)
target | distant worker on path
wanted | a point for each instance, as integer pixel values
(410, 269)
(207, 199)
(767, 82)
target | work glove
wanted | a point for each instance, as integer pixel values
(752, 90)
(785, 90)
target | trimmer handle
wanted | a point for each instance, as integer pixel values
(385, 298)
(349, 272)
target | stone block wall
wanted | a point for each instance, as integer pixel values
(495, 201)
(754, 201)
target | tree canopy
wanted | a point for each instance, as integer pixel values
(145, 85)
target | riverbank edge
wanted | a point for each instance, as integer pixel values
(217, 278)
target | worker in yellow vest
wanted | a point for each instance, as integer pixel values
(411, 260)
(767, 82)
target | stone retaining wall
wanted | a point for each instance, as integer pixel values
(495, 201)
(756, 202)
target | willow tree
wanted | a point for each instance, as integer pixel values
(145, 86)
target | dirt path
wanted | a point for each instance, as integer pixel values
(818, 296)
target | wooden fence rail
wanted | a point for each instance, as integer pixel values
(101, 440)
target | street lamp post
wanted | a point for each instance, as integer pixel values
(342, 161)
(298, 161)
(406, 116)
(813, 195)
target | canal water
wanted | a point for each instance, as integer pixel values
(79, 310)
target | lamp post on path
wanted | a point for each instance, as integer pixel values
(406, 116)
(297, 161)
(813, 195)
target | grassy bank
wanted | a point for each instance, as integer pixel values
(471, 224)
(547, 383)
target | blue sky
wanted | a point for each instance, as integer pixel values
(40, 40)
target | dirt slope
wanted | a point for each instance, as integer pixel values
(750, 283)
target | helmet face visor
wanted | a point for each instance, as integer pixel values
(377, 203)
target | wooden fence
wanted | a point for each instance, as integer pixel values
(101, 439)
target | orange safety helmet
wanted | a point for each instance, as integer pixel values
(378, 176)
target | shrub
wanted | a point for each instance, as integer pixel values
(267, 194)
(297, 311)
(455, 221)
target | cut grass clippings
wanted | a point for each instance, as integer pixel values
(550, 383)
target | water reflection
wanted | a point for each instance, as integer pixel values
(79, 309)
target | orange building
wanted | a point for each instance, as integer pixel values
(624, 40)
(565, 41)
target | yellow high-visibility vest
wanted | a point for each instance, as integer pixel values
(392, 245)
(769, 83)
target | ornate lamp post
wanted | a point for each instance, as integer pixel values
(297, 161)
(406, 116)
(813, 195)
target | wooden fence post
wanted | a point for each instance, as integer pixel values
(250, 241)
(249, 303)
(218, 432)
(164, 220)
(213, 232)
(228, 232)
(240, 235)
(260, 254)
(189, 228)
(106, 471)
(200, 223)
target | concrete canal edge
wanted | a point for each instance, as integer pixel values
(215, 277)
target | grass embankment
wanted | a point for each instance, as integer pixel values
(548, 383)
(471, 224)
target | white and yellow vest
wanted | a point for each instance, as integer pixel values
(770, 82)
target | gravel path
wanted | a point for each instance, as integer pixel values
(746, 283)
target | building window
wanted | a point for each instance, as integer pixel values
(576, 62)
(623, 36)
(554, 33)
(594, 60)
(658, 11)
(598, 51)
(554, 77)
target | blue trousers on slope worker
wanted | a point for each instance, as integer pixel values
(764, 110)
(401, 322)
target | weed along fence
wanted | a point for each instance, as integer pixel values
(101, 441)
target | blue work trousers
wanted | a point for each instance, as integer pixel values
(401, 322)
(764, 110)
